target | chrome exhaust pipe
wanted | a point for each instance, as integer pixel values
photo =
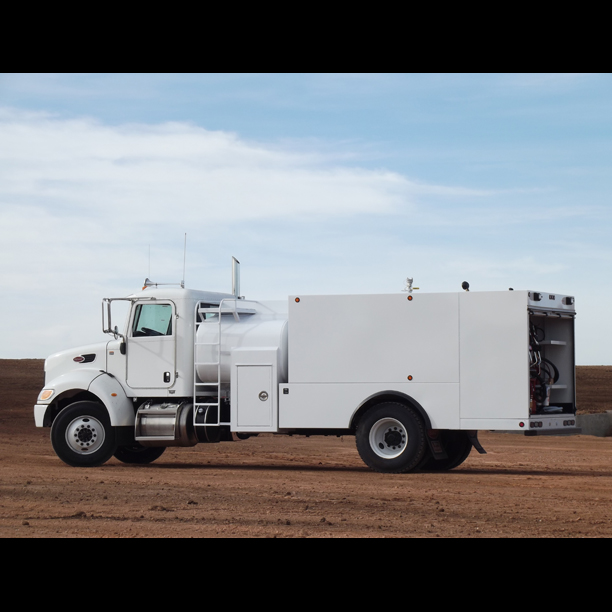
(236, 278)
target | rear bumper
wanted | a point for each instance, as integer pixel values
(568, 431)
(558, 425)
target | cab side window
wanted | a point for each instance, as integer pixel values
(152, 320)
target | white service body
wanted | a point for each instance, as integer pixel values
(463, 357)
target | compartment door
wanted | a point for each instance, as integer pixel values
(254, 390)
(494, 358)
(254, 396)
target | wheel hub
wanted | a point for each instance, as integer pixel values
(388, 438)
(85, 435)
(393, 437)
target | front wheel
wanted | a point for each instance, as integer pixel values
(391, 438)
(82, 435)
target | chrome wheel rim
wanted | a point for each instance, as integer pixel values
(85, 435)
(388, 438)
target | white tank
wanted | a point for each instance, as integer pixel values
(252, 331)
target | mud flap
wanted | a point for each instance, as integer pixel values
(435, 445)
(473, 436)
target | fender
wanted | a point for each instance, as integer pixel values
(120, 408)
(389, 395)
(95, 381)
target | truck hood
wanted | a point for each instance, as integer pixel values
(90, 356)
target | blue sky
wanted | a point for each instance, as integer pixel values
(318, 183)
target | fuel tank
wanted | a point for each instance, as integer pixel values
(258, 330)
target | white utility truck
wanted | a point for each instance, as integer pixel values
(413, 376)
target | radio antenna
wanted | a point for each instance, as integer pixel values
(184, 259)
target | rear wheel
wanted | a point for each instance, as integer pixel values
(457, 445)
(391, 438)
(139, 454)
(82, 435)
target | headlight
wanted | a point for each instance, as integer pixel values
(45, 394)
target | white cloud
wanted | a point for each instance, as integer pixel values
(76, 195)
(80, 201)
(176, 173)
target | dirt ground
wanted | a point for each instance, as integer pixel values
(278, 486)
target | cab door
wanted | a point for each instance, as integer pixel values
(151, 346)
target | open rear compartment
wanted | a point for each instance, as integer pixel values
(552, 363)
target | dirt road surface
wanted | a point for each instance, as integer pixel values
(286, 487)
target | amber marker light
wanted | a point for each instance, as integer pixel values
(410, 298)
(46, 394)
(410, 378)
(297, 299)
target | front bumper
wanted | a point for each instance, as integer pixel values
(39, 414)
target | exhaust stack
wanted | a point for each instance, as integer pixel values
(236, 278)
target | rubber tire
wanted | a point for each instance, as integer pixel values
(416, 442)
(457, 445)
(62, 422)
(138, 454)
